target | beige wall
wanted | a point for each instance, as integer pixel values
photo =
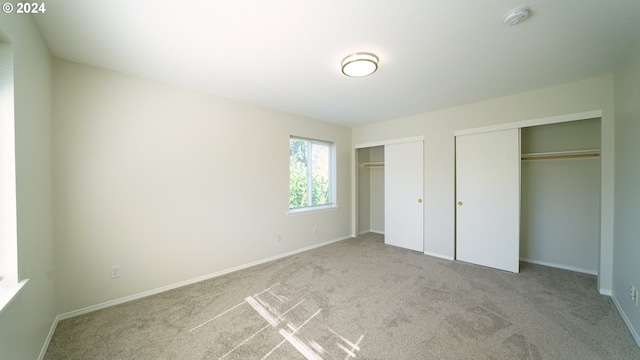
(25, 323)
(438, 129)
(626, 260)
(172, 185)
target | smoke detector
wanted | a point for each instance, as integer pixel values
(516, 16)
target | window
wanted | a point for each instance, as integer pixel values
(9, 285)
(311, 174)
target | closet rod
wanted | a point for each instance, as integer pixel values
(373, 164)
(566, 156)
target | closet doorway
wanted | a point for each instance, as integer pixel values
(559, 203)
(560, 195)
(389, 191)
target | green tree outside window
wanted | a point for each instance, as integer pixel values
(310, 173)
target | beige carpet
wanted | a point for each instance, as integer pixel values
(360, 299)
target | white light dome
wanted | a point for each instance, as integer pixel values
(359, 64)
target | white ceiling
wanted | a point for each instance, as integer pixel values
(286, 54)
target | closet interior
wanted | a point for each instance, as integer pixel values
(371, 190)
(560, 195)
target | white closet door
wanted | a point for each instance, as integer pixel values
(403, 187)
(488, 199)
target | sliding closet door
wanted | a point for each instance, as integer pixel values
(488, 199)
(403, 188)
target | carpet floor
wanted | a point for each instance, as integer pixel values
(359, 299)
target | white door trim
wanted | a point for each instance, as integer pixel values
(389, 142)
(533, 122)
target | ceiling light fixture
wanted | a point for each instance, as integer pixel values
(359, 64)
(516, 16)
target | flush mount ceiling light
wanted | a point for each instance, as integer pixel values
(359, 64)
(516, 16)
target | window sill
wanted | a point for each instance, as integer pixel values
(312, 209)
(7, 294)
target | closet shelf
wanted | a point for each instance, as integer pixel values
(375, 164)
(556, 155)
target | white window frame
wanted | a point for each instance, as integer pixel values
(332, 178)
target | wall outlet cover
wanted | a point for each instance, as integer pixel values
(115, 272)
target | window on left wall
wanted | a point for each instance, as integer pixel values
(311, 174)
(9, 282)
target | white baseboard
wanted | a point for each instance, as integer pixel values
(446, 257)
(49, 336)
(371, 231)
(633, 331)
(606, 292)
(143, 294)
(560, 266)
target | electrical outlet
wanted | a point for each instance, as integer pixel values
(115, 271)
(279, 237)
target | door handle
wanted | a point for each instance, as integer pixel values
(419, 201)
(459, 203)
